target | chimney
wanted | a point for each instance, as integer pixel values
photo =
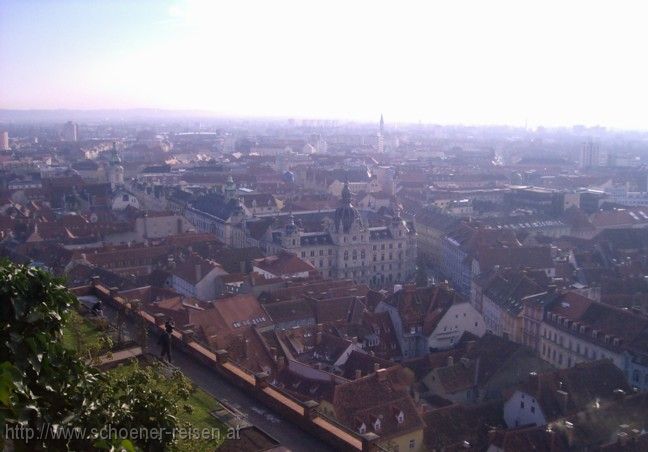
(563, 400)
(450, 361)
(622, 439)
(533, 379)
(358, 373)
(382, 374)
(318, 338)
(273, 352)
(198, 272)
(281, 362)
(619, 394)
(376, 367)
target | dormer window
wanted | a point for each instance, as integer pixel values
(376, 425)
(399, 415)
(361, 427)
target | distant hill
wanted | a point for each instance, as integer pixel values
(62, 115)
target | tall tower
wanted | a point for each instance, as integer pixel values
(70, 131)
(230, 189)
(589, 156)
(4, 141)
(116, 170)
(381, 135)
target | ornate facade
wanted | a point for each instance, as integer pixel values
(347, 247)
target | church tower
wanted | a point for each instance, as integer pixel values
(116, 170)
(381, 135)
(230, 188)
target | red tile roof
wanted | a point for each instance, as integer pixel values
(284, 265)
(381, 395)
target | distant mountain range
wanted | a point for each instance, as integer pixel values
(62, 115)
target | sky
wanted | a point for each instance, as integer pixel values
(472, 62)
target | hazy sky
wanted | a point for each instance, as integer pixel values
(546, 62)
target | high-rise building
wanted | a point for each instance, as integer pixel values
(589, 155)
(70, 131)
(381, 136)
(4, 141)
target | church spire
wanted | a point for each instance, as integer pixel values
(381, 135)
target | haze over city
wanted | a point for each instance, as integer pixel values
(363, 226)
(500, 62)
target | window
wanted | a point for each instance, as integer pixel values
(522, 405)
(412, 444)
(532, 409)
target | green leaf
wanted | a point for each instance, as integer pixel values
(127, 446)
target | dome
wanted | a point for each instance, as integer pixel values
(289, 177)
(291, 227)
(346, 214)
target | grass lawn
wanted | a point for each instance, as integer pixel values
(84, 336)
(201, 403)
(80, 334)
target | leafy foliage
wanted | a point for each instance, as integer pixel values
(47, 387)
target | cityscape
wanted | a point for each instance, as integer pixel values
(194, 277)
